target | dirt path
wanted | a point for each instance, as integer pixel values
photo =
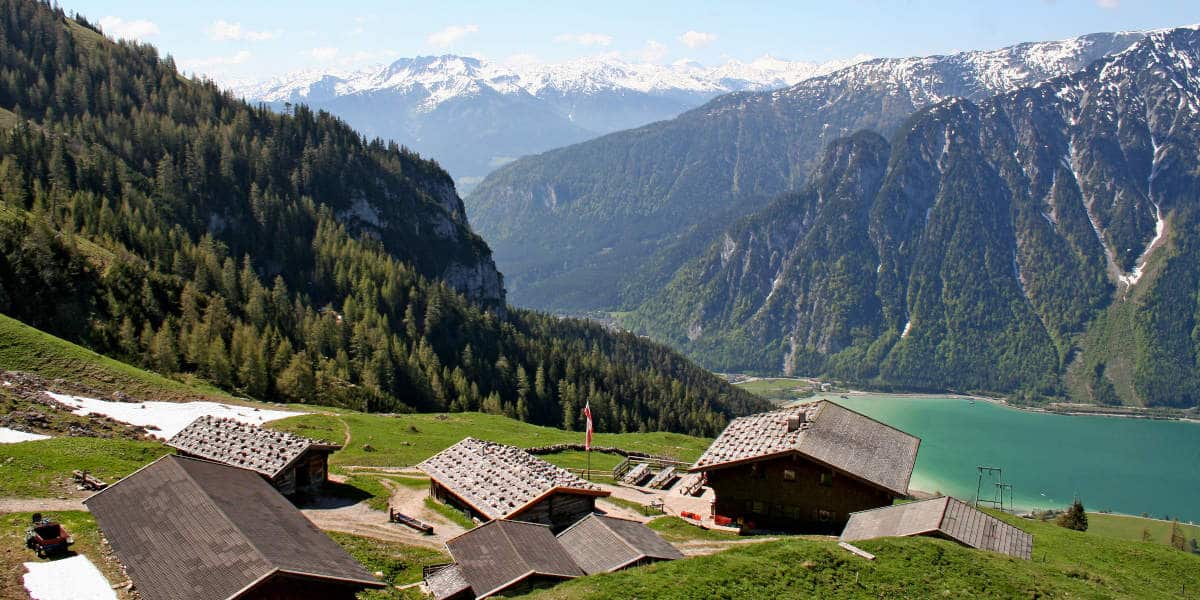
(411, 501)
(11, 505)
(706, 547)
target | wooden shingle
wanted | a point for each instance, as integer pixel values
(186, 528)
(944, 517)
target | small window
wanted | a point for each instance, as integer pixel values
(824, 516)
(789, 475)
(827, 478)
(759, 507)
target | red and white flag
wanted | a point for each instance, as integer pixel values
(587, 412)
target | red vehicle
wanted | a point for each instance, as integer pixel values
(47, 537)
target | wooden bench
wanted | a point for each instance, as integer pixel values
(88, 482)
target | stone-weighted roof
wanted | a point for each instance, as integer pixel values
(498, 480)
(944, 517)
(242, 445)
(825, 432)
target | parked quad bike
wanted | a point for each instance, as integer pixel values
(47, 537)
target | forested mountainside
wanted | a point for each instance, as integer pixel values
(602, 223)
(158, 220)
(475, 115)
(1044, 242)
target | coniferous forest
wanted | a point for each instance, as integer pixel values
(159, 220)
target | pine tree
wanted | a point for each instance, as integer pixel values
(1075, 517)
(1178, 541)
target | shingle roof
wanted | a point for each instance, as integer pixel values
(243, 445)
(447, 582)
(187, 528)
(601, 544)
(828, 433)
(500, 481)
(499, 554)
(943, 517)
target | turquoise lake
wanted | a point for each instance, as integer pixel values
(1122, 465)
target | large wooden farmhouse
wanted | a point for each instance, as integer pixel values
(493, 481)
(806, 467)
(190, 528)
(293, 464)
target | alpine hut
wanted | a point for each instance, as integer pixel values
(806, 467)
(494, 481)
(290, 462)
(947, 518)
(190, 529)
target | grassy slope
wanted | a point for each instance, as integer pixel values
(23, 348)
(400, 564)
(42, 468)
(1124, 527)
(405, 440)
(1067, 564)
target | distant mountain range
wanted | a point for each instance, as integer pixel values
(474, 115)
(600, 224)
(1045, 241)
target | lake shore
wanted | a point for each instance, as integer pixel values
(1056, 408)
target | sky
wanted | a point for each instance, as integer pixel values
(251, 40)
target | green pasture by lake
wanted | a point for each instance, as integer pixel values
(1123, 465)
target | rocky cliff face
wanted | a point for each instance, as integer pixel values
(1042, 240)
(597, 224)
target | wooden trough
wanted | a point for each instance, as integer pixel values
(88, 481)
(397, 517)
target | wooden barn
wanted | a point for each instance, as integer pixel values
(511, 557)
(806, 467)
(603, 544)
(293, 464)
(493, 481)
(189, 528)
(946, 518)
(501, 556)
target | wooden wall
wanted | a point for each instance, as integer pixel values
(559, 511)
(791, 493)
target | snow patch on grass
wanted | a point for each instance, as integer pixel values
(165, 419)
(74, 578)
(12, 436)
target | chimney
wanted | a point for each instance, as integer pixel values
(794, 421)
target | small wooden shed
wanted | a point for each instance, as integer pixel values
(947, 518)
(293, 464)
(494, 481)
(806, 467)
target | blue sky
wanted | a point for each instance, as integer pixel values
(252, 39)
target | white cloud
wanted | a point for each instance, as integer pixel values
(136, 29)
(449, 35)
(369, 57)
(222, 30)
(584, 39)
(654, 51)
(323, 53)
(522, 60)
(1108, 3)
(201, 64)
(696, 39)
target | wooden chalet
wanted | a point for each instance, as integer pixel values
(293, 464)
(510, 557)
(493, 481)
(603, 544)
(806, 467)
(501, 556)
(191, 529)
(946, 518)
